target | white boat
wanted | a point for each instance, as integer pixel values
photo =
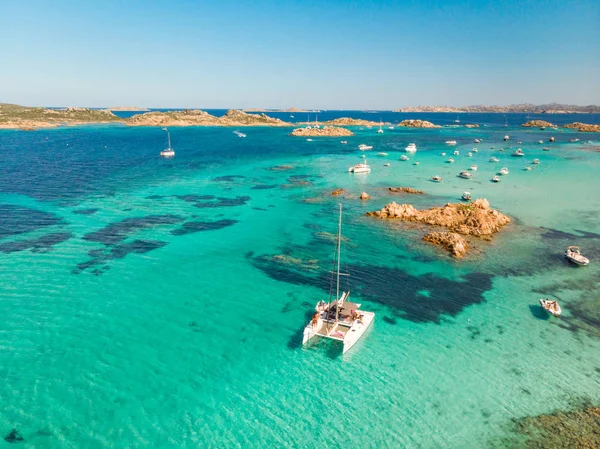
(506, 138)
(465, 174)
(404, 157)
(450, 142)
(574, 255)
(380, 130)
(476, 141)
(168, 152)
(436, 178)
(239, 134)
(475, 150)
(444, 153)
(496, 179)
(473, 167)
(518, 153)
(415, 163)
(551, 139)
(338, 320)
(494, 159)
(360, 168)
(457, 120)
(573, 140)
(411, 148)
(528, 168)
(343, 142)
(503, 171)
(387, 164)
(364, 147)
(536, 161)
(469, 154)
(450, 161)
(466, 196)
(551, 306)
(382, 154)
(540, 141)
(545, 149)
(390, 127)
(309, 140)
(456, 153)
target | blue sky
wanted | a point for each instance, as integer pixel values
(352, 54)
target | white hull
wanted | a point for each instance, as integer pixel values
(346, 333)
(359, 170)
(167, 153)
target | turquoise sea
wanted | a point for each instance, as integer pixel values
(160, 303)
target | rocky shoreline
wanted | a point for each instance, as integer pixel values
(325, 131)
(347, 121)
(197, 117)
(476, 219)
(551, 108)
(417, 124)
(538, 124)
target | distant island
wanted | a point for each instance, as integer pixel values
(127, 108)
(279, 110)
(551, 108)
(13, 116)
(197, 117)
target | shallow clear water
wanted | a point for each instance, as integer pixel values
(142, 302)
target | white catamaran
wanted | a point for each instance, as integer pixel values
(338, 319)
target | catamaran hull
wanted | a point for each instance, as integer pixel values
(357, 331)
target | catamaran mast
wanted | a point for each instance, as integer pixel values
(339, 246)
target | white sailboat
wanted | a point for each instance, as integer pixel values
(380, 130)
(168, 152)
(338, 319)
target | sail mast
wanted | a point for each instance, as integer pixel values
(339, 245)
(169, 138)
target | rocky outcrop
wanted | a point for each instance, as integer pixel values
(417, 124)
(471, 125)
(538, 124)
(365, 196)
(475, 218)
(405, 190)
(347, 121)
(325, 131)
(583, 127)
(455, 243)
(338, 192)
(127, 108)
(196, 117)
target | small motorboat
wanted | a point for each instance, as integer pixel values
(309, 140)
(528, 168)
(382, 154)
(450, 142)
(469, 154)
(551, 139)
(519, 142)
(494, 159)
(360, 168)
(404, 157)
(390, 127)
(475, 150)
(444, 153)
(574, 255)
(411, 148)
(344, 142)
(540, 142)
(436, 178)
(466, 196)
(476, 141)
(551, 306)
(503, 171)
(387, 164)
(545, 149)
(239, 134)
(536, 161)
(506, 138)
(364, 147)
(518, 153)
(415, 163)
(473, 167)
(573, 140)
(456, 153)
(496, 179)
(450, 161)
(465, 174)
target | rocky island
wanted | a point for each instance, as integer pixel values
(347, 121)
(550, 108)
(13, 116)
(584, 127)
(417, 124)
(127, 108)
(538, 124)
(473, 219)
(197, 117)
(325, 131)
